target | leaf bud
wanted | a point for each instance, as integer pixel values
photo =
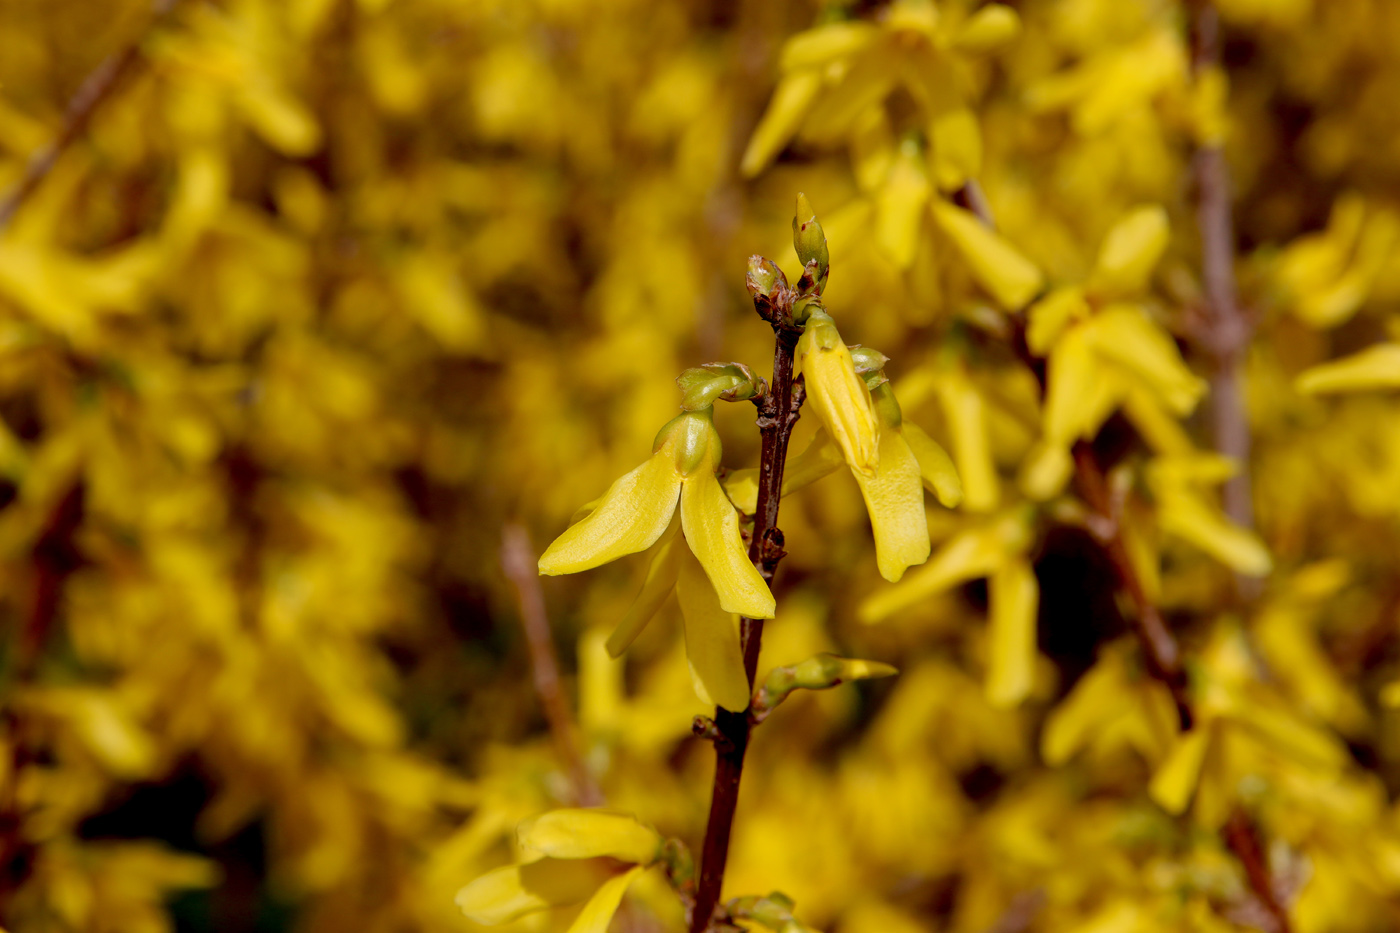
(810, 241)
(764, 278)
(870, 366)
(702, 386)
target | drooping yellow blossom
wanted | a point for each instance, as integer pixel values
(569, 856)
(639, 505)
(908, 460)
(837, 395)
(712, 644)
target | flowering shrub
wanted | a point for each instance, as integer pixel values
(303, 304)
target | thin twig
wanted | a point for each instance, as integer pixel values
(1223, 333)
(519, 562)
(778, 413)
(1159, 646)
(96, 89)
(1242, 838)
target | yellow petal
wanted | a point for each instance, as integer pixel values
(711, 640)
(1175, 781)
(1014, 596)
(659, 583)
(999, 267)
(1045, 471)
(1125, 335)
(632, 514)
(837, 395)
(791, 100)
(1072, 725)
(894, 497)
(820, 459)
(598, 912)
(899, 205)
(1374, 368)
(872, 149)
(1184, 514)
(513, 891)
(1130, 252)
(957, 148)
(936, 468)
(590, 833)
(974, 553)
(989, 28)
(972, 445)
(741, 486)
(712, 531)
(1048, 317)
(825, 44)
(1081, 389)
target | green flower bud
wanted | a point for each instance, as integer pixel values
(816, 673)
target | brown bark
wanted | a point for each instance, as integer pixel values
(778, 412)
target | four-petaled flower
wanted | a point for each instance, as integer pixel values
(708, 564)
(568, 857)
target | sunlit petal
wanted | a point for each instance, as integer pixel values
(598, 912)
(712, 530)
(633, 513)
(711, 640)
(659, 584)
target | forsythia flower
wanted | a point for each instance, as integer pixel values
(837, 394)
(638, 506)
(906, 459)
(709, 566)
(712, 645)
(570, 856)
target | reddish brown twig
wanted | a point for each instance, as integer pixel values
(1242, 838)
(519, 563)
(1159, 647)
(96, 89)
(777, 413)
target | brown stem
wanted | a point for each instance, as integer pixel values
(1223, 333)
(777, 413)
(1242, 838)
(519, 562)
(95, 90)
(1159, 646)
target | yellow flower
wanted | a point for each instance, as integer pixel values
(712, 646)
(907, 460)
(638, 507)
(570, 856)
(837, 394)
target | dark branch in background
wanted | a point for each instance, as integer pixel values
(1223, 331)
(1159, 647)
(777, 413)
(97, 88)
(1160, 650)
(1020, 914)
(1222, 336)
(519, 562)
(54, 558)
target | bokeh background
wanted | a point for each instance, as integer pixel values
(327, 293)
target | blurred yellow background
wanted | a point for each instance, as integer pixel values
(326, 293)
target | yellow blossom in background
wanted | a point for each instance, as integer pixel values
(311, 300)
